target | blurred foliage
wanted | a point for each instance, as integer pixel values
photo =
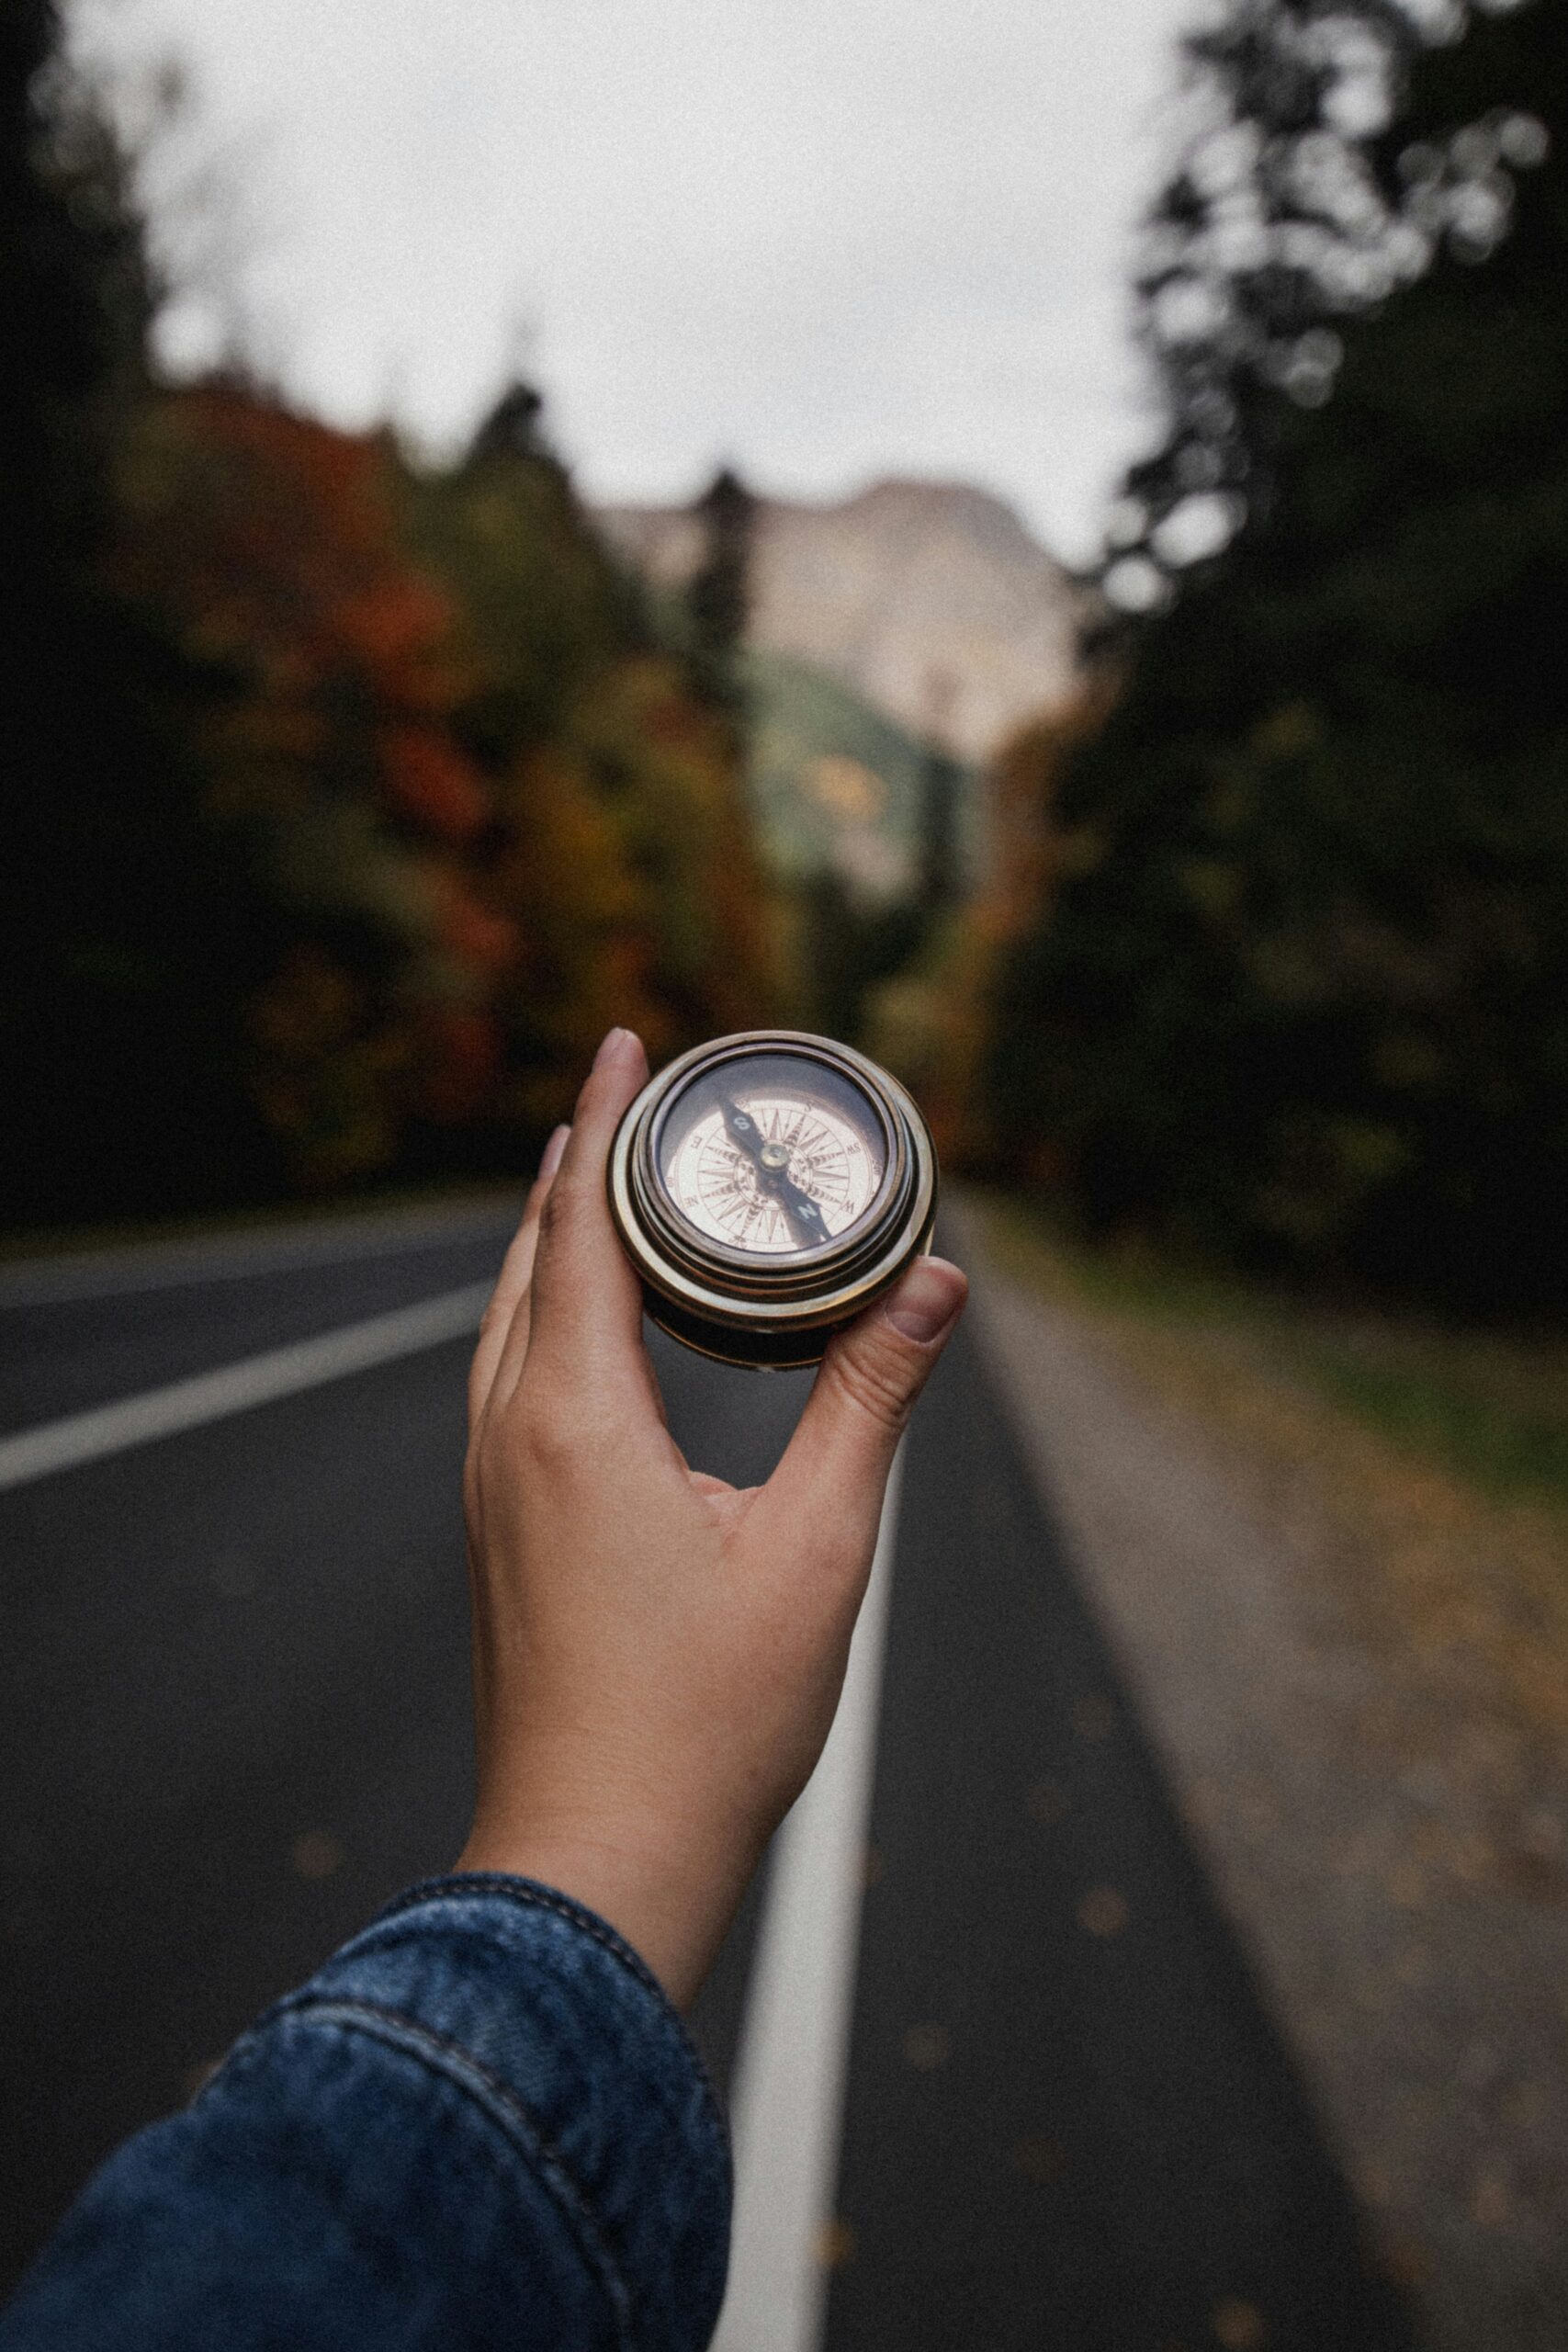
(853, 814)
(934, 1018)
(346, 803)
(837, 785)
(1300, 992)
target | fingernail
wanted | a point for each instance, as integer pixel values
(926, 1299)
(549, 1158)
(614, 1045)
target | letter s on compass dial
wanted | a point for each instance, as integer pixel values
(767, 1187)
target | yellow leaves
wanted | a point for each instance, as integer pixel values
(1290, 731)
(316, 1854)
(1094, 1717)
(1040, 2160)
(1103, 1911)
(1049, 1802)
(927, 2047)
(847, 789)
(835, 2245)
(1213, 886)
(1238, 2325)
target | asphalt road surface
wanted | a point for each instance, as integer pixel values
(234, 1692)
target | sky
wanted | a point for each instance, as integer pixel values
(822, 240)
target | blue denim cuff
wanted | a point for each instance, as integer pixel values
(536, 2010)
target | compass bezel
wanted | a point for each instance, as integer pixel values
(747, 1306)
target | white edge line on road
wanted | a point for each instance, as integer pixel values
(236, 1388)
(789, 2077)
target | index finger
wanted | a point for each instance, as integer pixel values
(509, 1300)
(585, 1303)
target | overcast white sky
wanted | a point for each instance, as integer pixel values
(826, 238)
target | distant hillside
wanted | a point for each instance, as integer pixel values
(836, 784)
(928, 600)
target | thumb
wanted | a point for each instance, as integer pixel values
(838, 1461)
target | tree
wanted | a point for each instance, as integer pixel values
(346, 805)
(1275, 220)
(1300, 993)
(622, 848)
(117, 1053)
(719, 598)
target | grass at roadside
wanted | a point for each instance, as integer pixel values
(1490, 1409)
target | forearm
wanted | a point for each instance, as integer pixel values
(480, 2125)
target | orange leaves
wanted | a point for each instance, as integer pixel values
(277, 542)
(488, 817)
(428, 780)
(470, 931)
(458, 1053)
(274, 550)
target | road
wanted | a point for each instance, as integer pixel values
(233, 1720)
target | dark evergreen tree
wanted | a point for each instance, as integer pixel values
(118, 1060)
(1275, 221)
(1302, 993)
(938, 880)
(719, 598)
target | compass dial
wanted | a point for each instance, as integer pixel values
(808, 1178)
(772, 1153)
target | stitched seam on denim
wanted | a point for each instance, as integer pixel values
(501, 2105)
(529, 1894)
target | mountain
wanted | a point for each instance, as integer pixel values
(929, 600)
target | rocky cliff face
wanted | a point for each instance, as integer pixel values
(929, 599)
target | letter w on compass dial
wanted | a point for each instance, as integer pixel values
(773, 1173)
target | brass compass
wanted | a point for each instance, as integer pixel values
(767, 1187)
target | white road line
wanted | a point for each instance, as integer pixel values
(789, 2078)
(246, 1254)
(236, 1388)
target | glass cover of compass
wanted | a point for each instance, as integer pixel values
(771, 1181)
(773, 1154)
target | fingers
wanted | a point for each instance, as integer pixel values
(828, 1487)
(510, 1297)
(584, 1323)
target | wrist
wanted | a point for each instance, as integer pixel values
(670, 1891)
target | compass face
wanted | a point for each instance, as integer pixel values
(773, 1154)
(767, 1188)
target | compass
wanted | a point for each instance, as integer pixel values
(767, 1187)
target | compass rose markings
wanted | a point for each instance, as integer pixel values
(718, 1183)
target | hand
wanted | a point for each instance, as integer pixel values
(656, 1655)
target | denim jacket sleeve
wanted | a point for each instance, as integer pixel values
(481, 2125)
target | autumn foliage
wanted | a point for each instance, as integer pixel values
(350, 802)
(470, 881)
